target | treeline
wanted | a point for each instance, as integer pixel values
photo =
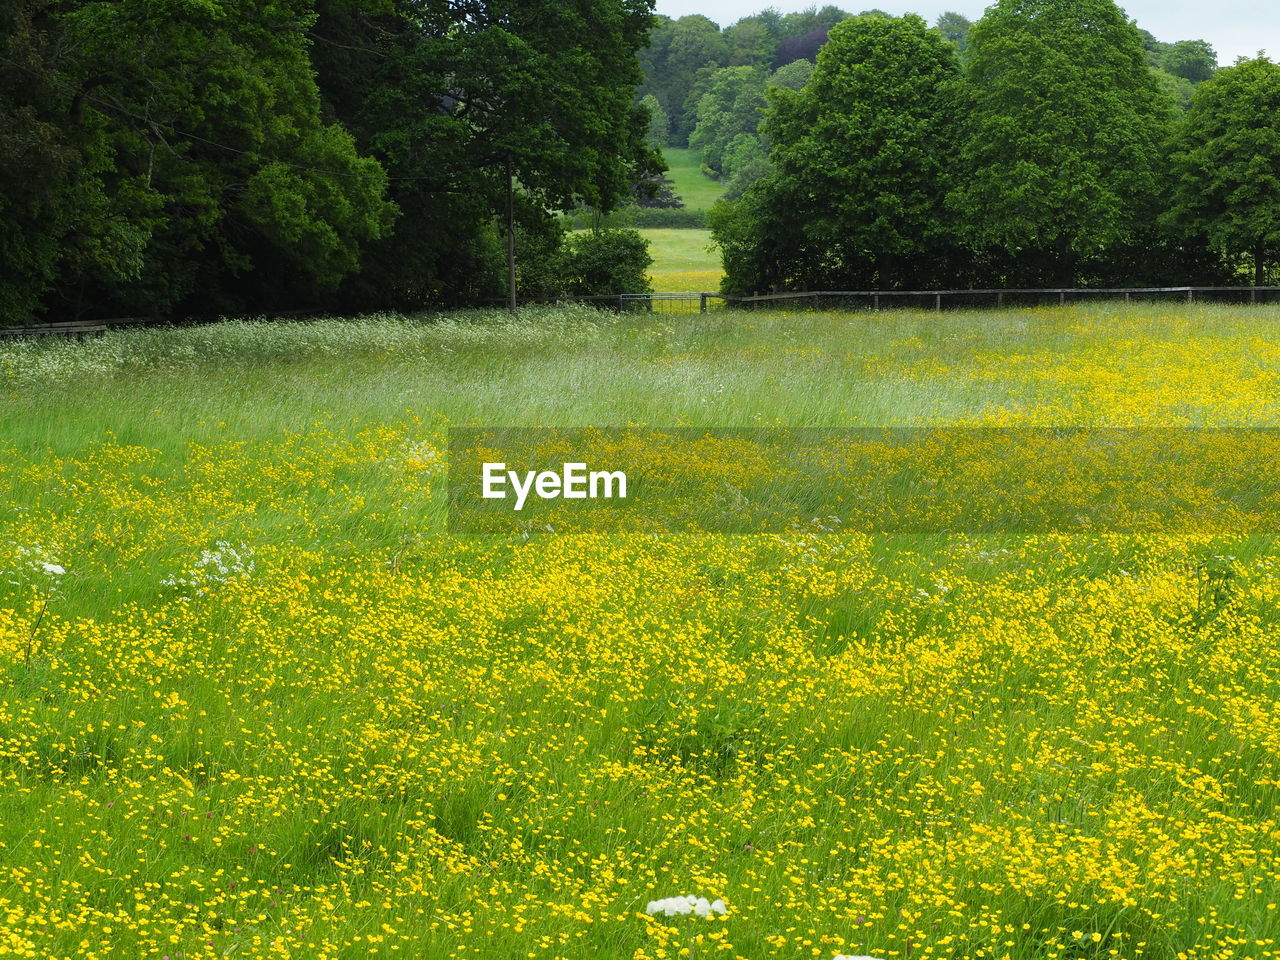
(1040, 147)
(706, 87)
(203, 157)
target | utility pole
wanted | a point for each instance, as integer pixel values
(511, 233)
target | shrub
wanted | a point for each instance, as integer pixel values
(601, 262)
(643, 217)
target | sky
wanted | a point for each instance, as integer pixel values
(1236, 28)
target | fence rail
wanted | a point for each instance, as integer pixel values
(79, 328)
(937, 299)
(698, 301)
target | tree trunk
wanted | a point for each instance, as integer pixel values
(1259, 265)
(511, 234)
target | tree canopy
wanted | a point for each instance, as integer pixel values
(1031, 148)
(187, 155)
(202, 157)
(862, 158)
(1227, 163)
(1063, 141)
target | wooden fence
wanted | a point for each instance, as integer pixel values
(702, 301)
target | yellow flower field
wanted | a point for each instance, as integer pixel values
(257, 703)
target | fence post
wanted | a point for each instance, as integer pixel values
(937, 301)
(1191, 295)
(999, 298)
(1253, 294)
(1062, 298)
(875, 301)
(1126, 296)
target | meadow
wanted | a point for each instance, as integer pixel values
(683, 258)
(258, 703)
(695, 188)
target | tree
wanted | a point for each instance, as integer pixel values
(793, 76)
(802, 47)
(750, 43)
(1193, 60)
(39, 162)
(863, 156)
(805, 21)
(604, 262)
(680, 52)
(204, 176)
(659, 128)
(1227, 163)
(480, 109)
(1062, 150)
(955, 28)
(728, 115)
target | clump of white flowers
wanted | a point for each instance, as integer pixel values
(423, 456)
(682, 906)
(214, 567)
(35, 565)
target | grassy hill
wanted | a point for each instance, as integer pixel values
(683, 259)
(696, 189)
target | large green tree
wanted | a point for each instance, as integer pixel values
(728, 115)
(1193, 60)
(39, 161)
(955, 28)
(727, 132)
(1063, 147)
(1227, 163)
(203, 177)
(863, 156)
(459, 101)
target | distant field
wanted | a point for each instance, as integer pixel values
(697, 190)
(683, 260)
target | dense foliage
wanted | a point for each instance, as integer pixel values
(182, 153)
(1063, 132)
(1032, 149)
(863, 158)
(197, 157)
(1228, 163)
(682, 60)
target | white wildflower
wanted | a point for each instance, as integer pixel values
(213, 567)
(34, 565)
(682, 906)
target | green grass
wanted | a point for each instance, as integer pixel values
(683, 260)
(387, 737)
(697, 190)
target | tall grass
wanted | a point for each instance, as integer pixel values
(270, 709)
